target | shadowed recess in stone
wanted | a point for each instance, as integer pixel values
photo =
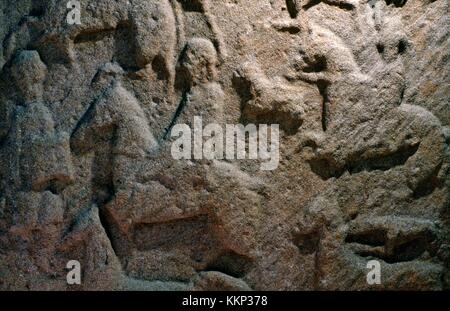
(358, 88)
(376, 244)
(326, 169)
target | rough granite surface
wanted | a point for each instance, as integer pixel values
(360, 89)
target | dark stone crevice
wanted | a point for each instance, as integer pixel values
(292, 8)
(341, 5)
(231, 264)
(176, 115)
(355, 164)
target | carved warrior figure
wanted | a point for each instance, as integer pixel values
(197, 80)
(38, 166)
(39, 155)
(421, 131)
(400, 164)
(323, 60)
(197, 68)
(160, 26)
(115, 119)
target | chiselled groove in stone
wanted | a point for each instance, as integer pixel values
(358, 89)
(342, 4)
(191, 5)
(428, 185)
(293, 7)
(371, 238)
(308, 243)
(231, 264)
(404, 251)
(37, 11)
(323, 86)
(107, 227)
(397, 3)
(326, 169)
(98, 34)
(382, 238)
(181, 106)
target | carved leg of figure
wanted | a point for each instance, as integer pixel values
(179, 20)
(218, 39)
(312, 77)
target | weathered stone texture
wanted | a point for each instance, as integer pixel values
(360, 89)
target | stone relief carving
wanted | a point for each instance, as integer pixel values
(87, 173)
